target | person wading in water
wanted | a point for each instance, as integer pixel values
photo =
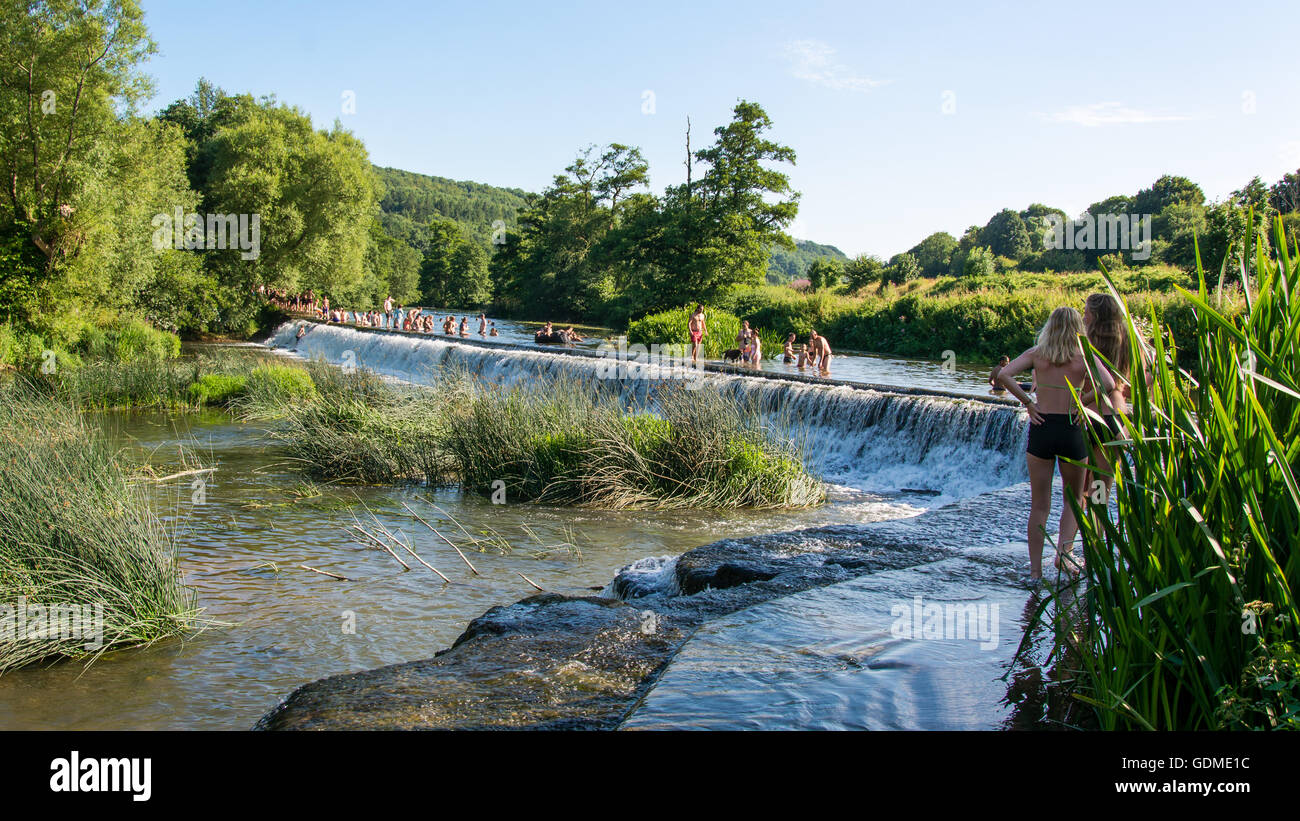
(1056, 430)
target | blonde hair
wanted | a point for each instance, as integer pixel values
(1058, 341)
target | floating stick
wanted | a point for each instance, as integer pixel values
(325, 573)
(444, 538)
(381, 544)
(530, 581)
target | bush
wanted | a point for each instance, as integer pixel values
(216, 389)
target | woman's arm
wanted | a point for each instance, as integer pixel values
(1007, 378)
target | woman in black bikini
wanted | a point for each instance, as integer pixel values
(1056, 429)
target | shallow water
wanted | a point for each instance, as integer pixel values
(276, 625)
(284, 626)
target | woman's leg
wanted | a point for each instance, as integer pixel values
(1040, 505)
(1072, 484)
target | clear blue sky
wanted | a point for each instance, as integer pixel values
(1059, 103)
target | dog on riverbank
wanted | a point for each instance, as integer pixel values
(732, 355)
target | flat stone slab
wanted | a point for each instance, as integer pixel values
(845, 656)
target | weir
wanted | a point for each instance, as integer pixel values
(873, 438)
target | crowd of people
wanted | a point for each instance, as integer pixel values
(815, 354)
(392, 317)
(1078, 445)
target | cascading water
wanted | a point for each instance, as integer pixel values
(864, 439)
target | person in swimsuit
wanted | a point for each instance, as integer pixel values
(819, 352)
(697, 329)
(482, 324)
(787, 356)
(1104, 321)
(1056, 429)
(742, 340)
(492, 329)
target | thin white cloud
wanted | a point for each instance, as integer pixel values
(814, 61)
(1102, 114)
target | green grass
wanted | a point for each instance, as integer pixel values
(77, 529)
(1191, 612)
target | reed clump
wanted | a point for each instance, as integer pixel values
(80, 545)
(560, 442)
(1192, 616)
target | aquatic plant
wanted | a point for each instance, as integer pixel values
(561, 444)
(80, 545)
(1192, 615)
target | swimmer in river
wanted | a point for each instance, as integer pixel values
(993, 375)
(819, 353)
(464, 325)
(482, 324)
(492, 329)
(787, 356)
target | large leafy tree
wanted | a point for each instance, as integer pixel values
(313, 191)
(454, 272)
(1006, 235)
(711, 234)
(563, 261)
(934, 253)
(1164, 192)
(67, 69)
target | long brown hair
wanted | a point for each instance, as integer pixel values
(1107, 333)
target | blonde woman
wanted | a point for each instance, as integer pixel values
(1056, 429)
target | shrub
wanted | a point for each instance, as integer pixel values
(216, 389)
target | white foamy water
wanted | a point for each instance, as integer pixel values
(862, 439)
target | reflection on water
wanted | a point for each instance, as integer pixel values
(242, 550)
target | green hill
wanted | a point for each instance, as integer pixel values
(784, 265)
(411, 200)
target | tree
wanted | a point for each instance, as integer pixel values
(710, 234)
(68, 68)
(979, 262)
(934, 253)
(314, 194)
(903, 268)
(1284, 196)
(1164, 192)
(1006, 235)
(823, 273)
(969, 240)
(863, 270)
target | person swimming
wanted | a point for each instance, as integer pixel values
(492, 329)
(1056, 431)
(788, 355)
